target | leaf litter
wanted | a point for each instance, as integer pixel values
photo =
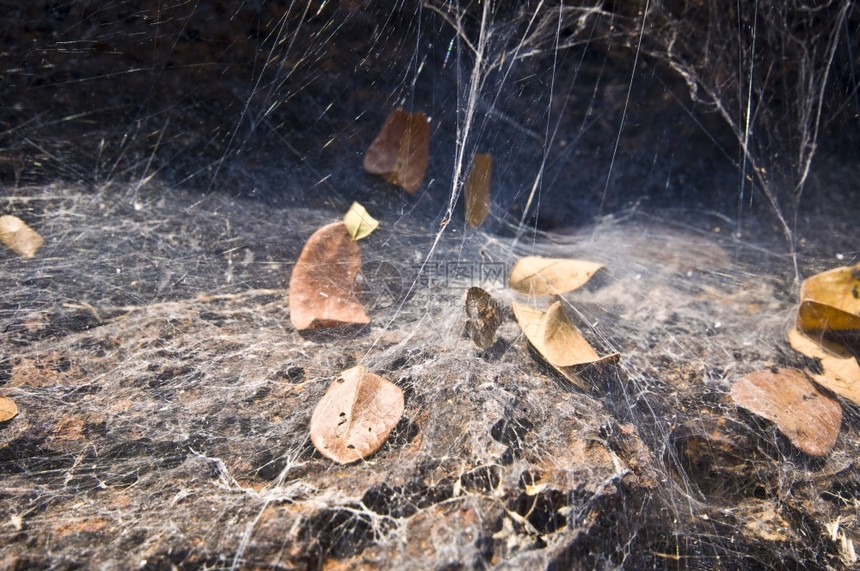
(359, 223)
(400, 152)
(323, 291)
(477, 190)
(484, 317)
(355, 416)
(810, 419)
(536, 275)
(8, 409)
(558, 340)
(19, 237)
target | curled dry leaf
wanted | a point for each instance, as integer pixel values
(839, 369)
(19, 237)
(558, 340)
(477, 190)
(355, 415)
(358, 222)
(323, 292)
(535, 275)
(485, 316)
(8, 410)
(809, 419)
(830, 301)
(401, 149)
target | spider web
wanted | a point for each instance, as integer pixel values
(176, 157)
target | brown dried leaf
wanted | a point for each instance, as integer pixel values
(323, 292)
(401, 149)
(830, 300)
(558, 340)
(8, 409)
(355, 415)
(485, 316)
(535, 275)
(19, 237)
(840, 371)
(809, 419)
(477, 190)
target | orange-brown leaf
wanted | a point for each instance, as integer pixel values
(323, 291)
(355, 416)
(477, 190)
(8, 410)
(809, 419)
(400, 151)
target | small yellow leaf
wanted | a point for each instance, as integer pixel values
(355, 415)
(8, 409)
(840, 371)
(19, 237)
(358, 222)
(558, 340)
(477, 190)
(535, 275)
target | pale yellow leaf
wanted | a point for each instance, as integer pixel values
(535, 275)
(830, 301)
(8, 409)
(841, 373)
(558, 340)
(358, 222)
(355, 415)
(19, 237)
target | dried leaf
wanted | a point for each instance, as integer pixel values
(484, 317)
(477, 190)
(558, 340)
(355, 415)
(401, 149)
(840, 371)
(830, 300)
(323, 292)
(358, 222)
(19, 237)
(535, 275)
(809, 419)
(8, 409)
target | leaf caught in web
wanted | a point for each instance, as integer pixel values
(8, 409)
(477, 190)
(358, 222)
(830, 301)
(839, 369)
(535, 275)
(401, 149)
(323, 291)
(355, 415)
(809, 419)
(558, 340)
(484, 317)
(19, 237)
